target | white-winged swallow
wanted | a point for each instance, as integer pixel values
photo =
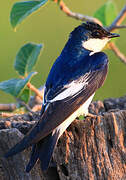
(71, 84)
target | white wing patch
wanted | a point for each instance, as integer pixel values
(71, 89)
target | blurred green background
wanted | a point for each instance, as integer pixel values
(51, 27)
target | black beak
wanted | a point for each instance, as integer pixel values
(112, 35)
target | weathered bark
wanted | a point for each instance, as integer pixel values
(89, 148)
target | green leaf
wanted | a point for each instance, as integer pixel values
(26, 58)
(25, 95)
(21, 10)
(15, 86)
(81, 117)
(107, 13)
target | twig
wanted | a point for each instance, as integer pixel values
(77, 16)
(120, 27)
(25, 105)
(7, 114)
(7, 107)
(118, 20)
(115, 49)
(34, 89)
(115, 25)
(11, 107)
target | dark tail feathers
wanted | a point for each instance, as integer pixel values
(43, 151)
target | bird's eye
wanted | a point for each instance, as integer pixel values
(96, 34)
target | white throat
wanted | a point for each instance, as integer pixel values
(95, 45)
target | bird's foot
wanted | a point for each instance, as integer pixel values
(91, 115)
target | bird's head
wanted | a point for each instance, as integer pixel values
(92, 36)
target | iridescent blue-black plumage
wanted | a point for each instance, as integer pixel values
(75, 64)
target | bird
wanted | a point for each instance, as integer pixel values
(75, 76)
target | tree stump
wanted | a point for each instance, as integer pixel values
(90, 149)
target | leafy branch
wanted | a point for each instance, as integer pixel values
(21, 88)
(75, 15)
(108, 9)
